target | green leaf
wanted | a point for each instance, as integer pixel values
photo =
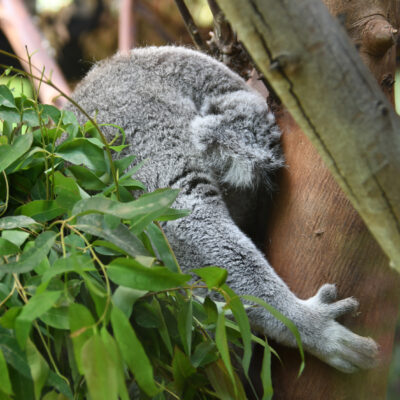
(130, 273)
(172, 214)
(222, 383)
(133, 352)
(19, 221)
(242, 320)
(81, 323)
(74, 263)
(212, 311)
(145, 316)
(99, 370)
(214, 277)
(182, 369)
(115, 354)
(123, 163)
(5, 291)
(67, 191)
(36, 306)
(162, 330)
(16, 237)
(86, 178)
(132, 184)
(32, 257)
(265, 375)
(13, 354)
(81, 151)
(53, 395)
(119, 236)
(6, 97)
(52, 112)
(124, 298)
(55, 381)
(7, 320)
(30, 117)
(291, 326)
(7, 248)
(222, 345)
(22, 386)
(147, 207)
(204, 353)
(5, 383)
(57, 317)
(9, 115)
(161, 247)
(39, 368)
(185, 321)
(11, 153)
(41, 210)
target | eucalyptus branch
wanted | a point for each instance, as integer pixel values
(75, 104)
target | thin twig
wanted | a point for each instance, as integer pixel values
(191, 26)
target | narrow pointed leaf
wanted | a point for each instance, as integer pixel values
(222, 345)
(133, 352)
(291, 326)
(130, 273)
(266, 374)
(5, 383)
(11, 153)
(81, 324)
(32, 257)
(36, 306)
(242, 320)
(115, 354)
(212, 276)
(18, 221)
(99, 370)
(119, 236)
(39, 368)
(161, 246)
(185, 321)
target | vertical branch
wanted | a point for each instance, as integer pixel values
(191, 26)
(127, 26)
(22, 34)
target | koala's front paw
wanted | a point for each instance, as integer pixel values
(331, 341)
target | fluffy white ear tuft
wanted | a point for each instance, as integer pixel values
(240, 173)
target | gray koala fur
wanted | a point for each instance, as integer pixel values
(205, 131)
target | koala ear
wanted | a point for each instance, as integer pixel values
(233, 160)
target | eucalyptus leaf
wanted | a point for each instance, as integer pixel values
(81, 151)
(7, 248)
(162, 247)
(130, 273)
(119, 236)
(214, 277)
(39, 368)
(11, 153)
(133, 352)
(35, 307)
(41, 210)
(81, 324)
(5, 383)
(17, 221)
(31, 258)
(6, 97)
(99, 369)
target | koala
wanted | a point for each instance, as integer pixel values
(204, 131)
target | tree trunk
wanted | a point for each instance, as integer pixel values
(315, 235)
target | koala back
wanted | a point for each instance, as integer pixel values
(184, 112)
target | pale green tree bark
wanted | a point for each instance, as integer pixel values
(310, 62)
